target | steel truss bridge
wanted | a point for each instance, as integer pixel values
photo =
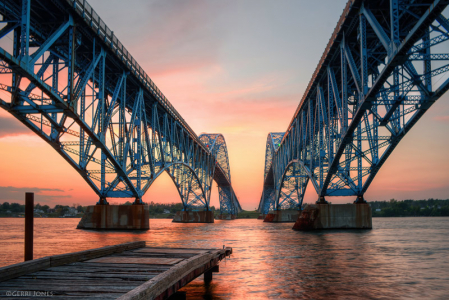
(386, 63)
(66, 76)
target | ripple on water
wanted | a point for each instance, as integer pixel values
(399, 258)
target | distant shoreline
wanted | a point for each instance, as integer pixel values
(238, 217)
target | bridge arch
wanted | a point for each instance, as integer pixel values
(369, 89)
(187, 183)
(216, 144)
(79, 89)
(292, 186)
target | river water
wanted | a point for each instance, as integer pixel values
(401, 258)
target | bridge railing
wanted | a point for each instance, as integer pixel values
(92, 19)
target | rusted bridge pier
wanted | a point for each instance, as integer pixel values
(125, 271)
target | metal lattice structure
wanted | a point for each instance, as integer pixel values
(384, 66)
(217, 146)
(67, 77)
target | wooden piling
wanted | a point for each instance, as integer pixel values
(29, 225)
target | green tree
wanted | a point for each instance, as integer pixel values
(45, 208)
(16, 207)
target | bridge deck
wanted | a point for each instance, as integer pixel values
(125, 271)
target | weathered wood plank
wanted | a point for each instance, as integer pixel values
(19, 269)
(159, 284)
(164, 251)
(110, 273)
(72, 282)
(136, 270)
(30, 266)
(66, 288)
(124, 266)
(136, 260)
(90, 276)
(63, 259)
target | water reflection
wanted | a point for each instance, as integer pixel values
(400, 258)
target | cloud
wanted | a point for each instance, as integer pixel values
(42, 195)
(12, 127)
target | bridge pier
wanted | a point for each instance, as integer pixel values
(116, 217)
(261, 217)
(206, 216)
(334, 216)
(226, 217)
(279, 216)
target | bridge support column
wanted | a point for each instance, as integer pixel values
(321, 200)
(138, 201)
(360, 200)
(334, 216)
(206, 216)
(279, 216)
(102, 201)
(261, 217)
(116, 217)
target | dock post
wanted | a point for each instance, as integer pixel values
(208, 276)
(29, 224)
(208, 273)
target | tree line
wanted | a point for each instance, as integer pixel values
(7, 208)
(161, 208)
(410, 208)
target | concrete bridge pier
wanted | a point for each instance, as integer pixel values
(206, 216)
(279, 216)
(323, 215)
(104, 216)
(261, 217)
(226, 217)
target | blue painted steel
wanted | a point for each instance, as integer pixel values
(217, 145)
(74, 84)
(384, 66)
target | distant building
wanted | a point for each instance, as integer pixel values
(166, 211)
(378, 209)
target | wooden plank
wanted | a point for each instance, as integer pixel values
(66, 288)
(159, 284)
(137, 270)
(72, 282)
(112, 272)
(136, 260)
(31, 266)
(163, 251)
(22, 268)
(63, 259)
(49, 275)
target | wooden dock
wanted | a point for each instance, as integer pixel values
(125, 271)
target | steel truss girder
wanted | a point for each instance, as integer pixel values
(216, 144)
(83, 93)
(375, 80)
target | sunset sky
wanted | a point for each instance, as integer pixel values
(233, 67)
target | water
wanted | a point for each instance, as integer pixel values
(401, 258)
